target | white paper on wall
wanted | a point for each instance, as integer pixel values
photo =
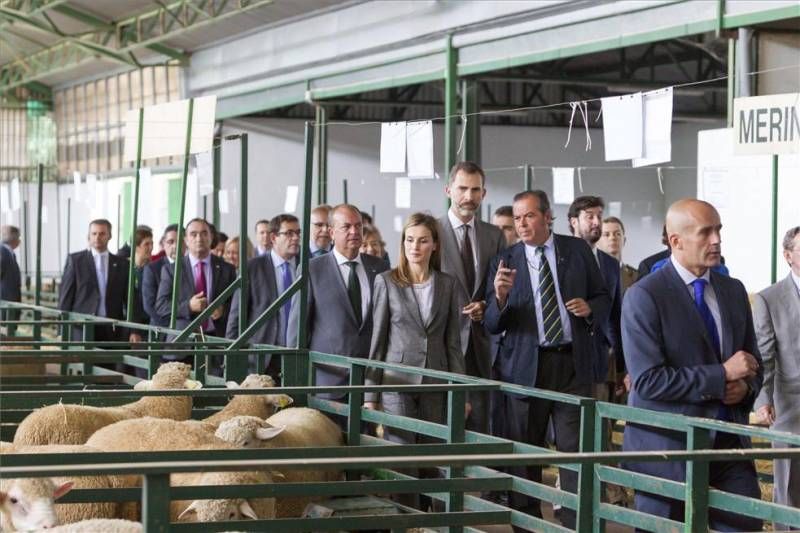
(16, 195)
(717, 187)
(290, 205)
(224, 206)
(398, 223)
(205, 172)
(419, 145)
(393, 147)
(615, 209)
(657, 128)
(563, 185)
(76, 182)
(5, 199)
(165, 125)
(623, 126)
(402, 193)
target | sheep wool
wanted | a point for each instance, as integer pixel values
(261, 406)
(99, 525)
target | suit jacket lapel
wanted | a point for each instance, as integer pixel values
(188, 276)
(790, 297)
(88, 259)
(371, 273)
(438, 300)
(341, 286)
(449, 242)
(683, 296)
(410, 301)
(724, 316)
(520, 262)
(562, 262)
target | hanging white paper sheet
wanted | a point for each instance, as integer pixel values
(165, 125)
(393, 147)
(402, 193)
(5, 199)
(563, 185)
(419, 144)
(205, 172)
(717, 187)
(622, 127)
(76, 181)
(224, 206)
(657, 128)
(398, 223)
(290, 205)
(615, 209)
(16, 195)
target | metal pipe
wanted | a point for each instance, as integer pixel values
(37, 298)
(774, 270)
(302, 369)
(216, 182)
(731, 79)
(321, 127)
(236, 367)
(344, 190)
(526, 177)
(179, 237)
(134, 218)
(450, 97)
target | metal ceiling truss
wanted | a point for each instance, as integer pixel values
(116, 41)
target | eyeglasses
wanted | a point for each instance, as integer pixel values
(290, 233)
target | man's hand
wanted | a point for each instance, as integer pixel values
(372, 406)
(628, 383)
(474, 310)
(735, 391)
(766, 414)
(739, 366)
(503, 281)
(217, 314)
(578, 307)
(198, 302)
(620, 385)
(134, 338)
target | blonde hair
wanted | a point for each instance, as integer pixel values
(401, 274)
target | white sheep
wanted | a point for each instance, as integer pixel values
(104, 525)
(74, 424)
(261, 405)
(28, 503)
(304, 428)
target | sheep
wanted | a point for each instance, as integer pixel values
(304, 427)
(74, 424)
(230, 509)
(28, 504)
(262, 406)
(74, 512)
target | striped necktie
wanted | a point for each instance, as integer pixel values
(551, 317)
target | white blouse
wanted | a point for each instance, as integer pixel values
(424, 295)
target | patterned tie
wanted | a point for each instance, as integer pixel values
(354, 290)
(468, 260)
(200, 285)
(286, 276)
(551, 316)
(699, 286)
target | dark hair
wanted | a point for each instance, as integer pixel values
(262, 221)
(788, 239)
(582, 203)
(467, 167)
(101, 222)
(614, 220)
(504, 211)
(204, 221)
(214, 235)
(401, 275)
(277, 221)
(222, 237)
(366, 218)
(171, 227)
(141, 234)
(544, 201)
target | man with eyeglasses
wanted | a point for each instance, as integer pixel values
(320, 241)
(268, 277)
(776, 315)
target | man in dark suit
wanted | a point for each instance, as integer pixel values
(691, 349)
(647, 263)
(151, 277)
(10, 278)
(95, 282)
(203, 277)
(268, 277)
(340, 297)
(548, 295)
(468, 244)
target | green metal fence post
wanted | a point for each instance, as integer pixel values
(321, 130)
(731, 78)
(236, 364)
(217, 182)
(526, 177)
(134, 217)
(355, 400)
(179, 237)
(774, 247)
(69, 224)
(601, 437)
(696, 510)
(26, 255)
(37, 315)
(586, 471)
(155, 503)
(450, 97)
(456, 416)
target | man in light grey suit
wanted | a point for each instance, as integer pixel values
(340, 297)
(468, 244)
(776, 314)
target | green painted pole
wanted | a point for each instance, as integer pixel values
(236, 365)
(69, 224)
(321, 132)
(450, 97)
(526, 177)
(179, 238)
(774, 218)
(217, 182)
(731, 79)
(472, 134)
(26, 255)
(37, 329)
(696, 498)
(134, 218)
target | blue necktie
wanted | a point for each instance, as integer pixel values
(287, 307)
(699, 286)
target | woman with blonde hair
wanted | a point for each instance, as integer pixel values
(416, 323)
(231, 254)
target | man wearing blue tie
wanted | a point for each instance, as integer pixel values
(690, 348)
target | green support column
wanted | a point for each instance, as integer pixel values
(696, 509)
(179, 237)
(774, 246)
(236, 365)
(321, 131)
(134, 217)
(470, 105)
(731, 79)
(37, 329)
(217, 152)
(526, 177)
(450, 105)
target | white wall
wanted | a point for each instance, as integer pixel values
(276, 160)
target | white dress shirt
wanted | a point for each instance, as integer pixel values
(458, 229)
(532, 258)
(709, 295)
(101, 271)
(363, 281)
(207, 269)
(423, 292)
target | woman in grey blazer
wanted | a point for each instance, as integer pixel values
(415, 323)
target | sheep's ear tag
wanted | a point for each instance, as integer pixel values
(270, 432)
(285, 401)
(63, 489)
(191, 509)
(231, 384)
(247, 510)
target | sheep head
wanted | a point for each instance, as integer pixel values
(232, 509)
(171, 375)
(260, 381)
(28, 503)
(247, 431)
